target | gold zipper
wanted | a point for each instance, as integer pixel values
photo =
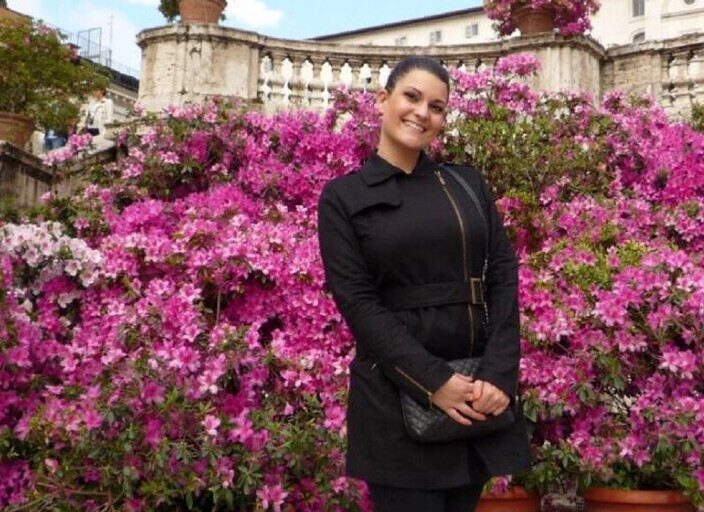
(465, 256)
(417, 384)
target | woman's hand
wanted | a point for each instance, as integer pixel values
(454, 399)
(489, 399)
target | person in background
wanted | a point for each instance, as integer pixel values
(98, 113)
(401, 228)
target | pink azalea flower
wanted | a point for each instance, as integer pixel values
(210, 424)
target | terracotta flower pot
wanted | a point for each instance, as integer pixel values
(534, 21)
(599, 499)
(201, 11)
(516, 499)
(16, 129)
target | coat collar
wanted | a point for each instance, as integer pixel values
(376, 170)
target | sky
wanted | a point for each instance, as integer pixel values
(119, 21)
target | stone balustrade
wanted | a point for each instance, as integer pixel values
(672, 71)
(182, 63)
(188, 63)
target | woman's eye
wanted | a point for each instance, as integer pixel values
(411, 95)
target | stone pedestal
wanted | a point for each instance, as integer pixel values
(568, 63)
(191, 62)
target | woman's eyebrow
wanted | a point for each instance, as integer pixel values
(410, 88)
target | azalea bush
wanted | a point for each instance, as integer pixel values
(167, 341)
(605, 205)
(170, 344)
(613, 300)
(571, 16)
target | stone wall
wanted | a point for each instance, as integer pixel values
(188, 63)
(23, 177)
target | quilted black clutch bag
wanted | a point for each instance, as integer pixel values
(429, 425)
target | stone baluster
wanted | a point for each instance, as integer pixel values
(365, 76)
(266, 68)
(327, 82)
(695, 72)
(287, 76)
(384, 72)
(346, 76)
(350, 74)
(676, 86)
(307, 76)
(310, 75)
(369, 74)
(279, 79)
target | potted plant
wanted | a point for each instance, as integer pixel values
(43, 82)
(193, 11)
(568, 17)
(508, 494)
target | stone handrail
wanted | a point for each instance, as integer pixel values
(182, 63)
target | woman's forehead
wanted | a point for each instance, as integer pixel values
(424, 81)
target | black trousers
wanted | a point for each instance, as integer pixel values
(395, 499)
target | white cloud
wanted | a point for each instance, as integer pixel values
(254, 14)
(150, 3)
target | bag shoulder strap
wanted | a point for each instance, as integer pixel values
(475, 200)
(472, 195)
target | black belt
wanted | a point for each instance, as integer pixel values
(434, 294)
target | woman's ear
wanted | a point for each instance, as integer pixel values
(381, 96)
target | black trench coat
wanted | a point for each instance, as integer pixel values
(398, 250)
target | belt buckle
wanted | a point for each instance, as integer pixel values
(476, 290)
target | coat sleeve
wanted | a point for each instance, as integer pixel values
(503, 350)
(376, 330)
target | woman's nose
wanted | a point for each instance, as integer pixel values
(422, 109)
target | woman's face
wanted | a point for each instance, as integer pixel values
(413, 112)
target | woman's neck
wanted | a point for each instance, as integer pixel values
(405, 160)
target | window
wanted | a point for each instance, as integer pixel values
(638, 8)
(471, 31)
(401, 41)
(436, 36)
(639, 37)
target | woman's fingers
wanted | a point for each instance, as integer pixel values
(489, 398)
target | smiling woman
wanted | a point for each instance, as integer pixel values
(402, 246)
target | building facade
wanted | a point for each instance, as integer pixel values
(618, 22)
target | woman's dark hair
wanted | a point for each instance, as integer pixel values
(408, 64)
